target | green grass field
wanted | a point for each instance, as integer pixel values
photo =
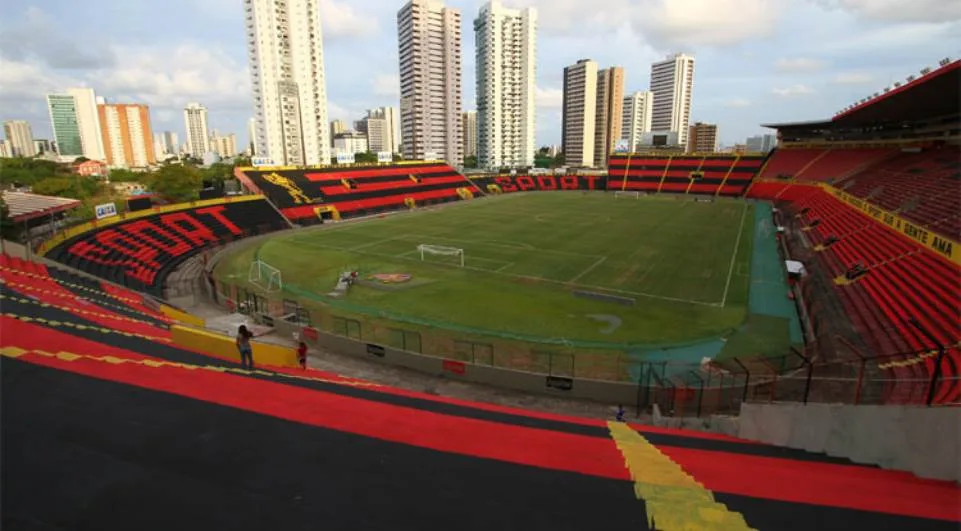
(686, 264)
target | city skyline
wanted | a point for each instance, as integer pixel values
(749, 71)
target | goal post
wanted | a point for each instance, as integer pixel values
(455, 253)
(265, 276)
(626, 194)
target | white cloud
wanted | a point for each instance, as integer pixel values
(164, 78)
(549, 98)
(340, 112)
(853, 78)
(339, 19)
(706, 22)
(897, 38)
(793, 91)
(737, 103)
(168, 78)
(386, 85)
(899, 11)
(798, 65)
(665, 24)
(165, 115)
(28, 81)
(35, 38)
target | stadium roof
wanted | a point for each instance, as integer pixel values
(933, 95)
(24, 206)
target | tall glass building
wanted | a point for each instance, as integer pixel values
(66, 126)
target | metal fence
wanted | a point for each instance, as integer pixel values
(699, 389)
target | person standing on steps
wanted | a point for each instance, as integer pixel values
(302, 355)
(243, 345)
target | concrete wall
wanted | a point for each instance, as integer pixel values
(224, 346)
(921, 440)
(182, 317)
(606, 392)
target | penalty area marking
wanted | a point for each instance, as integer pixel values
(524, 277)
(588, 269)
(737, 244)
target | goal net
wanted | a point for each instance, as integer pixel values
(625, 194)
(452, 255)
(265, 276)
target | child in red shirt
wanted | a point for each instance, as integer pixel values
(302, 355)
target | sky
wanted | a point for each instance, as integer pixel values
(757, 61)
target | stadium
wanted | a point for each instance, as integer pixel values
(782, 329)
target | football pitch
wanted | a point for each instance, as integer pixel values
(680, 268)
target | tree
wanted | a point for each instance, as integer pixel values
(57, 186)
(73, 187)
(25, 172)
(368, 157)
(120, 175)
(470, 161)
(542, 160)
(558, 160)
(217, 173)
(176, 183)
(78, 160)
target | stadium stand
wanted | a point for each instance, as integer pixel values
(920, 184)
(903, 282)
(539, 183)
(822, 163)
(140, 249)
(356, 191)
(875, 193)
(727, 175)
(148, 416)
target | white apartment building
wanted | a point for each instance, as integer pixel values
(429, 45)
(6, 149)
(224, 145)
(42, 145)
(506, 72)
(91, 136)
(761, 143)
(380, 125)
(20, 136)
(336, 127)
(195, 120)
(579, 113)
(159, 146)
(469, 127)
(636, 118)
(380, 137)
(286, 54)
(171, 143)
(350, 142)
(672, 82)
(252, 144)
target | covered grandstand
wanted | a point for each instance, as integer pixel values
(872, 199)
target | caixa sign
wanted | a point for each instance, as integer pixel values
(105, 210)
(262, 161)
